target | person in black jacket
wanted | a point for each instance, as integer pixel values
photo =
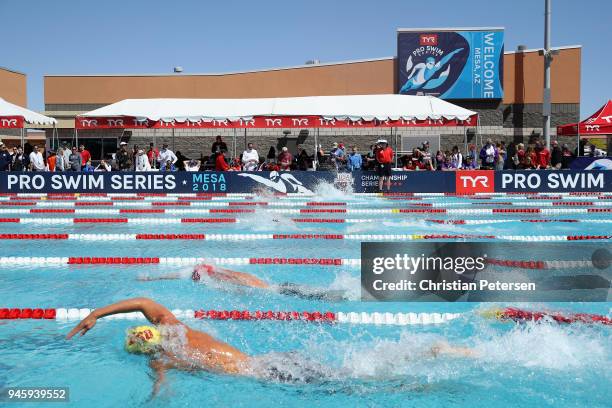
(122, 157)
(5, 158)
(556, 156)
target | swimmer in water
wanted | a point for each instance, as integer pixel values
(247, 280)
(171, 344)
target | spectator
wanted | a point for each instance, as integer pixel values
(220, 163)
(488, 156)
(302, 160)
(85, 155)
(181, 159)
(141, 161)
(123, 158)
(60, 164)
(440, 158)
(88, 168)
(250, 158)
(192, 165)
(566, 157)
(594, 151)
(166, 154)
(556, 155)
(67, 153)
(529, 159)
(542, 156)
(511, 157)
(354, 160)
(370, 159)
(218, 146)
(501, 156)
(468, 163)
(320, 155)
(19, 160)
(168, 166)
(425, 153)
(472, 152)
(271, 157)
(5, 158)
(384, 156)
(37, 162)
(447, 164)
(52, 161)
(415, 162)
(338, 156)
(134, 155)
(152, 154)
(285, 159)
(456, 158)
(103, 166)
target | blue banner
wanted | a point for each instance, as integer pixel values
(591, 163)
(462, 182)
(451, 64)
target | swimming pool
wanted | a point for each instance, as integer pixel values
(369, 365)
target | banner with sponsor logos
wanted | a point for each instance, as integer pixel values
(451, 64)
(259, 122)
(462, 182)
(592, 163)
(11, 122)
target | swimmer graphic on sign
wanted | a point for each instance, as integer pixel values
(423, 72)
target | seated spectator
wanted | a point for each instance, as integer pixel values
(566, 157)
(427, 164)
(168, 166)
(354, 160)
(440, 158)
(250, 158)
(235, 164)
(530, 159)
(285, 158)
(218, 146)
(468, 164)
(103, 166)
(220, 162)
(192, 165)
(447, 164)
(88, 168)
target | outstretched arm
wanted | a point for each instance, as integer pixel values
(170, 276)
(154, 312)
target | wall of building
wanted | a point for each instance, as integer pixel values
(13, 87)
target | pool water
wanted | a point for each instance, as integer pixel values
(529, 364)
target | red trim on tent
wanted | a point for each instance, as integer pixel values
(11, 122)
(263, 122)
(599, 123)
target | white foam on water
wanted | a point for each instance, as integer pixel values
(348, 283)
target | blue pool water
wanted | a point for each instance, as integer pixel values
(529, 365)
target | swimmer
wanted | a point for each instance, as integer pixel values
(171, 344)
(247, 280)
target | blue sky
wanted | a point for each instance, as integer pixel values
(137, 36)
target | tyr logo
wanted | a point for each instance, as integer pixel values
(89, 122)
(273, 122)
(592, 128)
(428, 39)
(475, 181)
(115, 122)
(300, 122)
(9, 122)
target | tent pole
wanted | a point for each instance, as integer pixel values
(245, 139)
(315, 162)
(235, 143)
(76, 137)
(465, 139)
(22, 138)
(173, 144)
(396, 148)
(154, 147)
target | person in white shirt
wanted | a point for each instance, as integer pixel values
(250, 158)
(192, 165)
(37, 163)
(142, 161)
(164, 155)
(103, 166)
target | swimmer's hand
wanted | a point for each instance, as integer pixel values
(84, 326)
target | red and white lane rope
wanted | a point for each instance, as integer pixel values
(535, 220)
(376, 318)
(179, 261)
(259, 237)
(306, 262)
(336, 211)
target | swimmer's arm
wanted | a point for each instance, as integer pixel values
(170, 276)
(239, 278)
(154, 312)
(159, 369)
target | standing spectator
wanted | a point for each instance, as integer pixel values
(529, 159)
(303, 160)
(219, 145)
(37, 162)
(511, 157)
(85, 155)
(75, 160)
(19, 160)
(355, 161)
(52, 161)
(370, 159)
(566, 157)
(250, 158)
(542, 156)
(285, 159)
(67, 153)
(425, 153)
(384, 156)
(152, 154)
(103, 166)
(440, 158)
(338, 156)
(181, 159)
(166, 154)
(122, 157)
(474, 155)
(135, 150)
(320, 155)
(220, 163)
(456, 158)
(556, 156)
(488, 156)
(5, 158)
(520, 155)
(501, 156)
(271, 157)
(142, 161)
(59, 160)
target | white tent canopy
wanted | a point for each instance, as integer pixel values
(30, 117)
(354, 107)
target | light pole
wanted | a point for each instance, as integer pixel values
(548, 56)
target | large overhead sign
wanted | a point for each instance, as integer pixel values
(451, 63)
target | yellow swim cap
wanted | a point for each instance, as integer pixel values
(142, 339)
